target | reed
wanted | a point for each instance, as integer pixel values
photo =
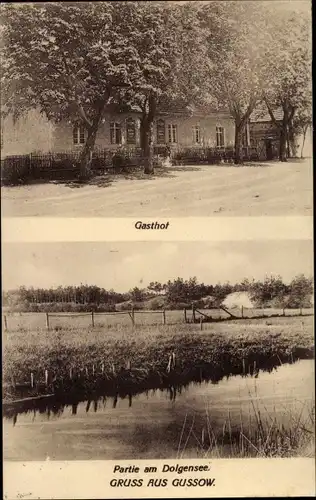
(268, 436)
(86, 360)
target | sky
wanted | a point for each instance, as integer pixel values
(123, 265)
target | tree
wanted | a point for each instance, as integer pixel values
(288, 82)
(167, 39)
(155, 287)
(272, 288)
(66, 59)
(136, 294)
(302, 122)
(300, 291)
(236, 58)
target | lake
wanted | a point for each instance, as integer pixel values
(185, 423)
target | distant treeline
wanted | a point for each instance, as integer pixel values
(176, 294)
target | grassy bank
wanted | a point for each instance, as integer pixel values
(84, 361)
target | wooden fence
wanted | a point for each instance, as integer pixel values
(65, 165)
(132, 314)
(171, 317)
(211, 155)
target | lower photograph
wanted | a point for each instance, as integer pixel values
(149, 350)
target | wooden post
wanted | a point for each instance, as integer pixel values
(242, 311)
(283, 311)
(301, 312)
(47, 321)
(132, 315)
(185, 314)
(164, 316)
(92, 319)
(5, 323)
(201, 323)
(193, 313)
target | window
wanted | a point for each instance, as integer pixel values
(130, 131)
(220, 139)
(172, 133)
(115, 133)
(161, 132)
(78, 134)
(196, 134)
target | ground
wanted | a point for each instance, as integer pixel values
(252, 190)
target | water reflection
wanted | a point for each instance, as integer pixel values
(166, 422)
(81, 390)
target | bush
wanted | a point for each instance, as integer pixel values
(155, 304)
(15, 170)
(202, 155)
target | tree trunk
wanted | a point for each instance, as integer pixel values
(282, 146)
(147, 143)
(238, 144)
(292, 144)
(86, 154)
(304, 138)
(147, 133)
(292, 135)
(284, 133)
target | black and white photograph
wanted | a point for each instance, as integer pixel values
(209, 354)
(157, 249)
(157, 109)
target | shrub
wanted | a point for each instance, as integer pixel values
(15, 170)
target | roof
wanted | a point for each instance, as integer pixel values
(175, 108)
(262, 115)
(191, 109)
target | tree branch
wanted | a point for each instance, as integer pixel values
(271, 112)
(80, 108)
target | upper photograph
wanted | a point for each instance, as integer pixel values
(156, 109)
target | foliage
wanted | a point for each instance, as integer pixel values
(176, 294)
(236, 44)
(73, 60)
(300, 292)
(67, 59)
(168, 41)
(288, 82)
(136, 294)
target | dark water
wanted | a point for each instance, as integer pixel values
(164, 424)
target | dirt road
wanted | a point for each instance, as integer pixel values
(269, 189)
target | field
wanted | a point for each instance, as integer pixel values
(27, 321)
(269, 189)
